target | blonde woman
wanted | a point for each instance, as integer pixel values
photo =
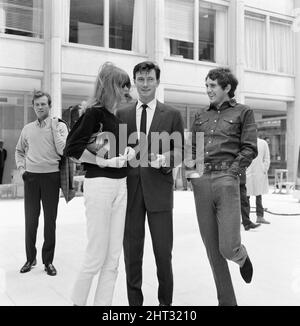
(105, 190)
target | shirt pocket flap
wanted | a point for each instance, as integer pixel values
(231, 126)
(200, 122)
(232, 121)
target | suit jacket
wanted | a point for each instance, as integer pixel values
(3, 155)
(157, 184)
(66, 168)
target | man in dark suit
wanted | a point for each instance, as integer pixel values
(3, 155)
(150, 183)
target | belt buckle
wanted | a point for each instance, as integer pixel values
(224, 166)
(208, 166)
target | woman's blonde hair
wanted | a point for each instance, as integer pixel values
(108, 87)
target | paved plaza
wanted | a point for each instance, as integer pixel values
(274, 251)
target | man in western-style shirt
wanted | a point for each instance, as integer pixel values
(38, 153)
(229, 147)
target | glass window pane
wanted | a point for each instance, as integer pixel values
(22, 17)
(179, 20)
(213, 33)
(182, 49)
(207, 19)
(11, 124)
(255, 42)
(282, 47)
(121, 21)
(179, 28)
(86, 22)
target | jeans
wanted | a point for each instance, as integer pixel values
(217, 200)
(245, 205)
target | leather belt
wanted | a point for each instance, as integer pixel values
(223, 166)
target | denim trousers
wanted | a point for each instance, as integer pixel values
(217, 200)
(105, 203)
(245, 205)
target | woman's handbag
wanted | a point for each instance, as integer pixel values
(99, 143)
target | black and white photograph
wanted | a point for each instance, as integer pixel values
(149, 155)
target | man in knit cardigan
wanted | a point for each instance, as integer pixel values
(38, 153)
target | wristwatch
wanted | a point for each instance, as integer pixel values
(164, 163)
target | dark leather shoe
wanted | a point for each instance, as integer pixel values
(247, 270)
(251, 226)
(50, 269)
(27, 266)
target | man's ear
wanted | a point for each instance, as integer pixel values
(228, 88)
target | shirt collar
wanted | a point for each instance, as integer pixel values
(44, 123)
(151, 105)
(231, 103)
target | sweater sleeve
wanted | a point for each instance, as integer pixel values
(21, 151)
(248, 144)
(60, 133)
(81, 133)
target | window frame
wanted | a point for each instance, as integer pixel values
(272, 18)
(106, 28)
(36, 35)
(215, 5)
(261, 18)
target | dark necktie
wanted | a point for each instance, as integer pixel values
(143, 126)
(143, 131)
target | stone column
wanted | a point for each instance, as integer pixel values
(236, 46)
(156, 33)
(293, 117)
(53, 33)
(2, 17)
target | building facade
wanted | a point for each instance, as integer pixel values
(59, 45)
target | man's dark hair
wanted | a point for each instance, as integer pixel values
(146, 66)
(224, 77)
(38, 94)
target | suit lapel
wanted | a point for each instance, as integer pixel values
(132, 119)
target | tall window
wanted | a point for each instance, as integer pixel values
(22, 17)
(125, 18)
(207, 19)
(120, 24)
(201, 38)
(281, 47)
(255, 41)
(179, 22)
(87, 22)
(272, 51)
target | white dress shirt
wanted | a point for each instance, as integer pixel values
(150, 113)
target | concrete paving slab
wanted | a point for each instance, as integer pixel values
(274, 251)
